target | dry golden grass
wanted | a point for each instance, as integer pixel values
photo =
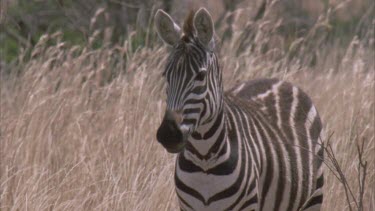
(71, 139)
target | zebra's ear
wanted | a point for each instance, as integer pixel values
(167, 29)
(204, 27)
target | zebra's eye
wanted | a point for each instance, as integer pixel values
(201, 74)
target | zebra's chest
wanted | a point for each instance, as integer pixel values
(224, 185)
(204, 191)
(207, 185)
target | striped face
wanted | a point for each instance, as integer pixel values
(190, 75)
(186, 75)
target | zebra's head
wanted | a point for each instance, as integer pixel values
(192, 76)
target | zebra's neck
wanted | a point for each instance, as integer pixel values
(208, 146)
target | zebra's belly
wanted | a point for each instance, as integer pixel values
(201, 191)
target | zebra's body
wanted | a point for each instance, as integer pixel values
(252, 127)
(252, 148)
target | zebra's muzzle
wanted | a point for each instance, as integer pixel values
(170, 134)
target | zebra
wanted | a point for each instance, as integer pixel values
(253, 147)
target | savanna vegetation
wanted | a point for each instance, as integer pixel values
(81, 95)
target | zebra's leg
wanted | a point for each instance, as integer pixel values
(316, 199)
(314, 202)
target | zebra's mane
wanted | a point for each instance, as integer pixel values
(188, 26)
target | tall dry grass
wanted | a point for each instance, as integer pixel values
(78, 124)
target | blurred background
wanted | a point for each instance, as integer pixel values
(81, 94)
(23, 22)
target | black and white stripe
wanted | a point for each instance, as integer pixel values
(255, 147)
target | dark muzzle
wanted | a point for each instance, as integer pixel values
(169, 133)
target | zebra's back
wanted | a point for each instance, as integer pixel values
(297, 125)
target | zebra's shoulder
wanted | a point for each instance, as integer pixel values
(276, 98)
(254, 89)
(259, 90)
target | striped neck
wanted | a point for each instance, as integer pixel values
(208, 146)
